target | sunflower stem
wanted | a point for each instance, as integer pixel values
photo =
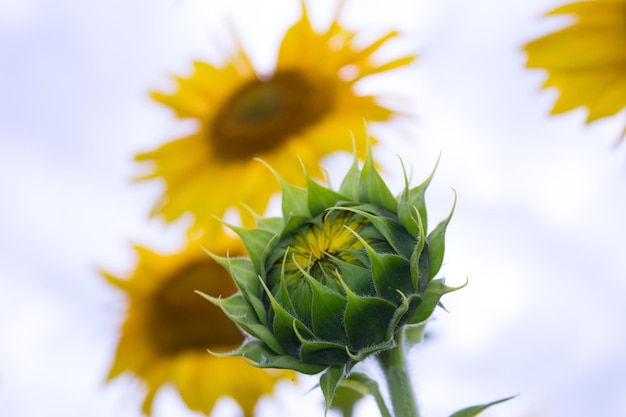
(394, 366)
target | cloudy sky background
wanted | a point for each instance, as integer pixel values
(538, 228)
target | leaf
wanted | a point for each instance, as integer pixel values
(436, 244)
(242, 314)
(263, 357)
(256, 242)
(320, 198)
(419, 259)
(372, 187)
(327, 312)
(361, 385)
(247, 280)
(414, 198)
(329, 382)
(433, 293)
(367, 320)
(393, 232)
(477, 409)
(345, 400)
(414, 334)
(350, 184)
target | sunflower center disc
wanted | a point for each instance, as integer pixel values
(261, 115)
(320, 248)
(181, 320)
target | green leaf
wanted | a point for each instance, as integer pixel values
(433, 293)
(390, 274)
(357, 278)
(436, 244)
(414, 198)
(395, 234)
(329, 382)
(294, 199)
(271, 224)
(419, 260)
(345, 399)
(322, 352)
(361, 384)
(256, 242)
(242, 314)
(477, 409)
(320, 198)
(263, 357)
(327, 312)
(247, 280)
(372, 187)
(367, 320)
(350, 184)
(414, 333)
(282, 326)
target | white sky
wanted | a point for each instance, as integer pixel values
(538, 227)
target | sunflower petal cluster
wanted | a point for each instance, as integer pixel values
(306, 106)
(337, 276)
(586, 60)
(168, 329)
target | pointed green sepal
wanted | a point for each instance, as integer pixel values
(367, 319)
(294, 202)
(329, 382)
(433, 293)
(392, 231)
(390, 272)
(282, 326)
(350, 184)
(321, 351)
(372, 188)
(256, 242)
(247, 280)
(327, 312)
(320, 198)
(477, 409)
(271, 224)
(419, 259)
(414, 198)
(260, 356)
(242, 314)
(436, 244)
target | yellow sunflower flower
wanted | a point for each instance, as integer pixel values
(306, 106)
(168, 329)
(586, 61)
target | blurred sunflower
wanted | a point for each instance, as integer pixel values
(306, 106)
(586, 61)
(168, 329)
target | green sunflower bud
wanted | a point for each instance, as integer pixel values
(337, 276)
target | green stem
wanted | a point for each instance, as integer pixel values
(393, 364)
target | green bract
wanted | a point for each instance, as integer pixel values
(337, 276)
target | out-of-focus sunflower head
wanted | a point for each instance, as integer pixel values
(586, 60)
(169, 328)
(337, 277)
(306, 106)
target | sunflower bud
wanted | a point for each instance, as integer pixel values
(337, 276)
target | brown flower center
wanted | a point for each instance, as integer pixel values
(261, 115)
(181, 320)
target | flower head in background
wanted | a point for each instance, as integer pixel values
(586, 61)
(306, 106)
(168, 329)
(336, 277)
